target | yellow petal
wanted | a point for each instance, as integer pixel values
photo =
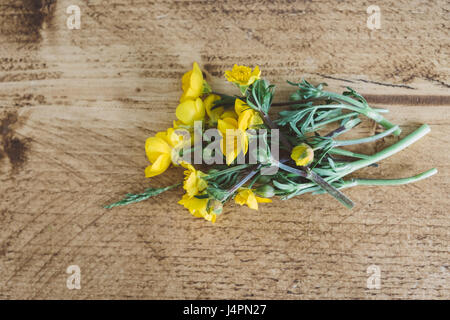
(244, 119)
(246, 196)
(239, 199)
(192, 83)
(227, 123)
(256, 72)
(190, 185)
(185, 111)
(215, 113)
(252, 203)
(229, 114)
(190, 110)
(263, 200)
(240, 106)
(159, 166)
(200, 109)
(229, 73)
(197, 207)
(255, 119)
(255, 75)
(186, 80)
(155, 146)
(209, 103)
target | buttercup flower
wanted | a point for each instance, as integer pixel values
(198, 207)
(302, 154)
(159, 151)
(246, 196)
(193, 182)
(242, 75)
(189, 111)
(239, 121)
(192, 83)
(234, 140)
(248, 117)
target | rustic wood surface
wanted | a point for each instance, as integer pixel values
(77, 105)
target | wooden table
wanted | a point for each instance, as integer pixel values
(77, 105)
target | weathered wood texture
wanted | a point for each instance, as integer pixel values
(77, 105)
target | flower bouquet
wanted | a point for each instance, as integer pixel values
(247, 156)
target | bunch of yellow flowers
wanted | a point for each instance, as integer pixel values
(197, 104)
(307, 161)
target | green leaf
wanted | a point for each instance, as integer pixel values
(352, 93)
(307, 90)
(283, 186)
(261, 95)
(225, 101)
(217, 193)
(133, 198)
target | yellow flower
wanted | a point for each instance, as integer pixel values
(190, 110)
(234, 140)
(242, 75)
(192, 83)
(193, 182)
(213, 114)
(219, 112)
(159, 151)
(302, 154)
(246, 196)
(238, 121)
(198, 207)
(248, 117)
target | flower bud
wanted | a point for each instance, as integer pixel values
(215, 206)
(302, 154)
(266, 191)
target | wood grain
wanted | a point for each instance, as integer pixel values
(77, 105)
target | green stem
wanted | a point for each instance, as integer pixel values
(250, 175)
(312, 176)
(226, 171)
(385, 153)
(367, 139)
(354, 105)
(365, 109)
(343, 152)
(305, 171)
(368, 160)
(383, 182)
(272, 125)
(148, 193)
(375, 182)
(290, 103)
(389, 182)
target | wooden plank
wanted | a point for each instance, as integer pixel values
(77, 105)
